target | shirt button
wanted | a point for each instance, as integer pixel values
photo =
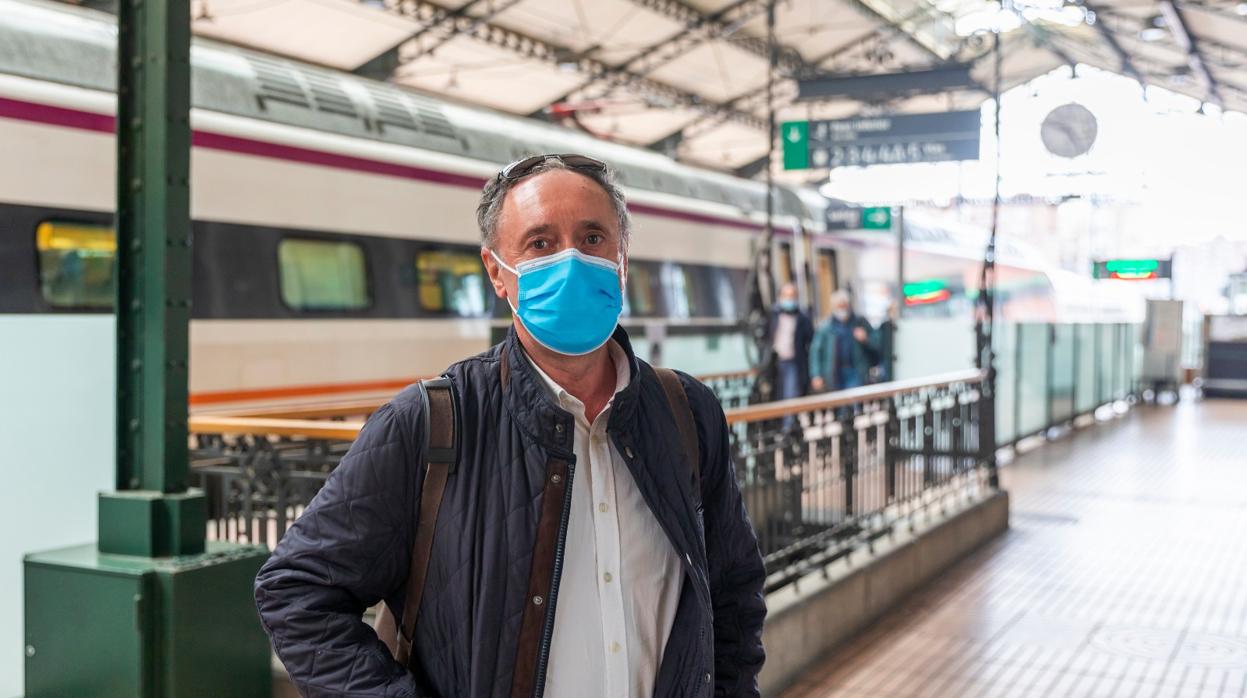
(558, 428)
(537, 600)
(707, 677)
(628, 451)
(615, 648)
(603, 508)
(607, 576)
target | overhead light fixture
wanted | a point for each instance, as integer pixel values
(1241, 9)
(1153, 34)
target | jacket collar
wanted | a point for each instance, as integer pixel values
(537, 412)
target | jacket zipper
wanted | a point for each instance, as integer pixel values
(547, 634)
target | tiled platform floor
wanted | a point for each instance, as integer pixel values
(1124, 574)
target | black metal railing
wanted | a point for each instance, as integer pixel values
(820, 475)
(824, 475)
(258, 475)
(733, 389)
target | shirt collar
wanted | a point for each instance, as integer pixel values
(623, 375)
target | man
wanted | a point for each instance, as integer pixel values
(572, 556)
(842, 352)
(791, 333)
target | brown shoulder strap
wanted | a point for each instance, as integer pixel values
(677, 399)
(441, 446)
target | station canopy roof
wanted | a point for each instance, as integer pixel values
(688, 77)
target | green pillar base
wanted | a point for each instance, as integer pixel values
(177, 627)
(152, 524)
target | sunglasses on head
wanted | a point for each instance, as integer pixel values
(520, 168)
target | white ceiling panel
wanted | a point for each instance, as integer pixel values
(640, 126)
(727, 147)
(611, 30)
(337, 33)
(1228, 30)
(716, 70)
(843, 36)
(472, 71)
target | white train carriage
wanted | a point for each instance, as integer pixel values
(335, 244)
(335, 239)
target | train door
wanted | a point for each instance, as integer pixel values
(825, 281)
(783, 265)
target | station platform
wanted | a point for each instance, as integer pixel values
(1124, 573)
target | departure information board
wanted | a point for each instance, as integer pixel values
(882, 140)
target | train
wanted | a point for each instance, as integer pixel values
(335, 250)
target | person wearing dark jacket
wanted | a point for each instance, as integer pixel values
(791, 334)
(843, 349)
(574, 555)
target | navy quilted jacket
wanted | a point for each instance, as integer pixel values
(351, 548)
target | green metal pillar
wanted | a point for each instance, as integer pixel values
(152, 610)
(152, 513)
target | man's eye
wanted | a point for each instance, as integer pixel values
(594, 238)
(540, 244)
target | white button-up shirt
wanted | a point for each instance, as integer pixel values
(621, 576)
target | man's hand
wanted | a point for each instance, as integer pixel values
(817, 383)
(859, 333)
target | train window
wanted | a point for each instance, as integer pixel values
(76, 264)
(728, 285)
(683, 301)
(322, 275)
(452, 282)
(642, 297)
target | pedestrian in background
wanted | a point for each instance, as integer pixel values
(791, 334)
(843, 349)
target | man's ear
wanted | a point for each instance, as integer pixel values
(495, 272)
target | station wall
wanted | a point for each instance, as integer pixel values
(57, 390)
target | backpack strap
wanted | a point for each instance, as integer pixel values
(441, 438)
(677, 400)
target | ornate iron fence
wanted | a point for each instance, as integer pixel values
(820, 475)
(826, 474)
(733, 389)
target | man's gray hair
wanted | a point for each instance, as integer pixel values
(495, 192)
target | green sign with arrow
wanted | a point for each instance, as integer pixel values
(877, 218)
(796, 138)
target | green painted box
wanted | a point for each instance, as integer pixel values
(116, 625)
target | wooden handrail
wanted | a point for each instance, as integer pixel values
(748, 373)
(315, 410)
(348, 430)
(308, 428)
(842, 398)
(344, 408)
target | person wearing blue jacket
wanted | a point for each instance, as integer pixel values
(577, 551)
(843, 349)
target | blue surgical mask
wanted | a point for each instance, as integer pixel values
(788, 305)
(569, 302)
